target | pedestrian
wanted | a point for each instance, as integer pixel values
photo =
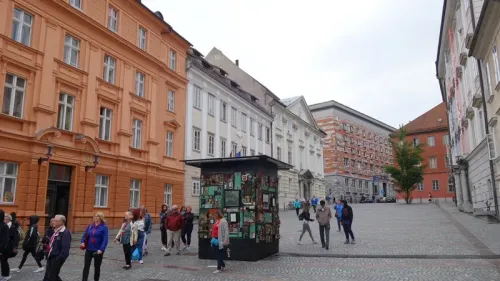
(139, 224)
(30, 244)
(296, 205)
(174, 223)
(43, 249)
(187, 227)
(59, 245)
(148, 225)
(183, 210)
(4, 242)
(314, 202)
(10, 250)
(305, 217)
(323, 217)
(338, 213)
(163, 229)
(347, 217)
(220, 239)
(127, 236)
(94, 242)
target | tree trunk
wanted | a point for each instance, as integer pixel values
(408, 197)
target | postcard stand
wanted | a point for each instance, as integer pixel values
(245, 189)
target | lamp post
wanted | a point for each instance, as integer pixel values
(48, 154)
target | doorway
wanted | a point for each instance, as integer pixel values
(58, 192)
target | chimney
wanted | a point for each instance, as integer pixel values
(237, 62)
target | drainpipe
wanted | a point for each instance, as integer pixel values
(480, 70)
(271, 129)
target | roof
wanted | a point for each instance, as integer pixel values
(233, 161)
(433, 120)
(289, 101)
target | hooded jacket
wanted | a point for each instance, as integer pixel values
(347, 214)
(32, 236)
(4, 232)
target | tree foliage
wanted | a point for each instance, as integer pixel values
(408, 170)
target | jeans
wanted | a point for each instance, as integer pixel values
(31, 251)
(186, 234)
(339, 223)
(89, 255)
(127, 251)
(314, 208)
(175, 237)
(324, 230)
(306, 227)
(219, 253)
(297, 211)
(347, 229)
(140, 244)
(53, 269)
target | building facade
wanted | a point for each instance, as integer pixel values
(221, 121)
(462, 88)
(294, 135)
(356, 148)
(431, 130)
(85, 115)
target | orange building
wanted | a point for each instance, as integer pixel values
(93, 109)
(431, 130)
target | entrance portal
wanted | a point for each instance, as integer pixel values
(58, 189)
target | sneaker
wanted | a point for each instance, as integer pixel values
(15, 270)
(218, 271)
(346, 242)
(314, 242)
(167, 254)
(301, 243)
(163, 248)
(5, 278)
(353, 242)
(40, 269)
(141, 262)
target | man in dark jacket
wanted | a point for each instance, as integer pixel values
(30, 244)
(4, 240)
(10, 249)
(59, 245)
(347, 217)
(174, 223)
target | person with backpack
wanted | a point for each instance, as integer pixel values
(305, 216)
(30, 244)
(347, 217)
(94, 242)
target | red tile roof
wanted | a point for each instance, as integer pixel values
(433, 120)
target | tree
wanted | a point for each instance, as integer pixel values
(408, 171)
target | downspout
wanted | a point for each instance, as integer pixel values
(480, 71)
(271, 129)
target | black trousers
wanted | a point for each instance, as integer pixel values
(4, 264)
(163, 232)
(297, 211)
(31, 251)
(89, 255)
(127, 251)
(219, 253)
(53, 269)
(347, 229)
(186, 234)
(314, 208)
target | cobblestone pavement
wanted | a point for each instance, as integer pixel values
(381, 229)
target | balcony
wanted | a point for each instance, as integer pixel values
(469, 112)
(459, 71)
(463, 58)
(477, 100)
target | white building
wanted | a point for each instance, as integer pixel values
(221, 120)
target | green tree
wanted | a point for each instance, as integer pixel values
(407, 172)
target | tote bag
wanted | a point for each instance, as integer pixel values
(135, 254)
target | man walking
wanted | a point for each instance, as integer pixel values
(147, 229)
(323, 216)
(338, 213)
(174, 223)
(347, 217)
(314, 202)
(59, 245)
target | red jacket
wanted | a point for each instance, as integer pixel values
(174, 221)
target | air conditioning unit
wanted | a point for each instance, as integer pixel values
(468, 39)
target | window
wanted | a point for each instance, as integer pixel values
(135, 193)
(252, 152)
(65, 112)
(223, 111)
(136, 133)
(211, 104)
(13, 95)
(290, 154)
(435, 185)
(431, 141)
(196, 187)
(252, 130)
(415, 142)
(8, 179)
(101, 191)
(234, 113)
(234, 148)
(196, 139)
(76, 4)
(259, 131)
(420, 187)
(171, 60)
(446, 140)
(243, 151)
(496, 64)
(222, 148)
(169, 143)
(139, 84)
(71, 50)
(108, 73)
(432, 162)
(268, 134)
(211, 144)
(113, 20)
(21, 27)
(451, 185)
(105, 123)
(278, 152)
(301, 156)
(446, 161)
(346, 162)
(141, 38)
(171, 101)
(481, 127)
(167, 194)
(197, 97)
(488, 80)
(243, 122)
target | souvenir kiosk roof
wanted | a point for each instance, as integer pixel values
(257, 160)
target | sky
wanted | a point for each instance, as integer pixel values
(376, 56)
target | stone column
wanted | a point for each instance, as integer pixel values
(458, 188)
(467, 204)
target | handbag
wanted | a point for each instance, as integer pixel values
(135, 254)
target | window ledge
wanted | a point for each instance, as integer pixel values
(102, 208)
(8, 204)
(15, 119)
(169, 157)
(138, 149)
(171, 112)
(134, 96)
(105, 141)
(109, 84)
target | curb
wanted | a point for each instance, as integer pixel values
(356, 256)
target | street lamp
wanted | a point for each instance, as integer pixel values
(48, 154)
(96, 161)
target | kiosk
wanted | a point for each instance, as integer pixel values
(245, 189)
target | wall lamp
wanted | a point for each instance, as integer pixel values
(96, 161)
(48, 154)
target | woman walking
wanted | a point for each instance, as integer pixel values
(220, 239)
(187, 228)
(163, 229)
(139, 224)
(127, 236)
(94, 241)
(347, 217)
(30, 244)
(305, 216)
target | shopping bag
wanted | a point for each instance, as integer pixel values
(214, 242)
(135, 255)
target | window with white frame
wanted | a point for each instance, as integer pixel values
(211, 104)
(268, 134)
(196, 139)
(197, 97)
(135, 193)
(65, 112)
(420, 187)
(76, 4)
(252, 129)
(172, 59)
(108, 73)
(415, 142)
(435, 185)
(451, 185)
(431, 141)
(252, 152)
(223, 111)
(432, 162)
(290, 160)
(113, 19)
(169, 144)
(234, 115)
(141, 38)
(488, 80)
(139, 84)
(101, 191)
(8, 180)
(496, 64)
(105, 123)
(136, 133)
(223, 148)
(21, 27)
(243, 122)
(243, 151)
(446, 161)
(13, 95)
(259, 131)
(234, 149)
(278, 153)
(211, 144)
(171, 101)
(71, 50)
(167, 194)
(196, 187)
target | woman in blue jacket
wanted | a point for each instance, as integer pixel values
(94, 241)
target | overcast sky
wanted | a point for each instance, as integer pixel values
(376, 56)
